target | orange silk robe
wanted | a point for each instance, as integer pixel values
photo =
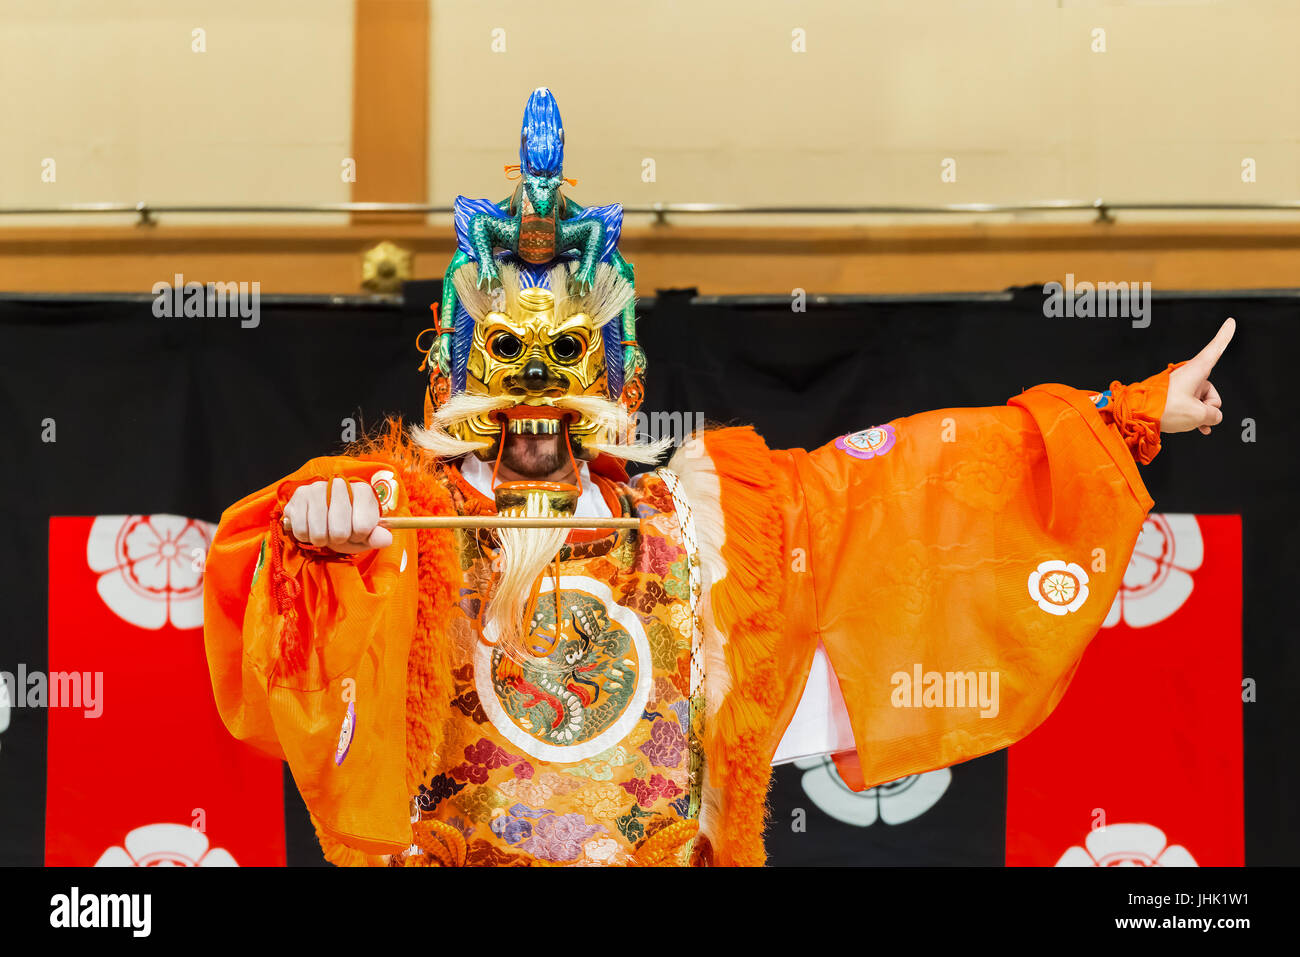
(953, 565)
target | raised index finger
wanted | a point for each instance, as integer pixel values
(1207, 357)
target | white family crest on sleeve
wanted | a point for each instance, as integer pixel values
(384, 484)
(868, 443)
(1058, 587)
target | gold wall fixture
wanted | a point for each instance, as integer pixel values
(384, 267)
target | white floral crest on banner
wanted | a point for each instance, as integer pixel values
(1127, 845)
(1158, 578)
(151, 567)
(166, 845)
(894, 803)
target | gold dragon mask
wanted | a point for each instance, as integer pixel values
(539, 346)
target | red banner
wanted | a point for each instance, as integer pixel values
(141, 770)
(1141, 764)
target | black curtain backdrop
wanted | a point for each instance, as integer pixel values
(188, 415)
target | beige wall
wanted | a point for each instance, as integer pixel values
(713, 92)
(114, 93)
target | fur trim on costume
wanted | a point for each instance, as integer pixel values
(699, 480)
(429, 664)
(730, 485)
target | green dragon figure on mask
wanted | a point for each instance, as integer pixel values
(538, 226)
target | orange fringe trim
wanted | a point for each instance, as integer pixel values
(747, 608)
(292, 654)
(429, 664)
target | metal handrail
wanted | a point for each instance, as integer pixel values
(661, 211)
(648, 302)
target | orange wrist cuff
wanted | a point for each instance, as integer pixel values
(1135, 411)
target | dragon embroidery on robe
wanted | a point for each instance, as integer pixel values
(585, 682)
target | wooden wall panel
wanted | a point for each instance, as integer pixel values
(390, 104)
(730, 260)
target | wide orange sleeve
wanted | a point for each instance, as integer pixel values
(355, 620)
(955, 565)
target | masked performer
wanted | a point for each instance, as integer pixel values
(553, 696)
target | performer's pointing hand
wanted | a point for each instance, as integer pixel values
(1193, 403)
(324, 516)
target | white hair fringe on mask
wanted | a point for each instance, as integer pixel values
(438, 440)
(525, 554)
(606, 413)
(609, 295)
(617, 423)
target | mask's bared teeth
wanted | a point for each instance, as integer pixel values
(523, 426)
